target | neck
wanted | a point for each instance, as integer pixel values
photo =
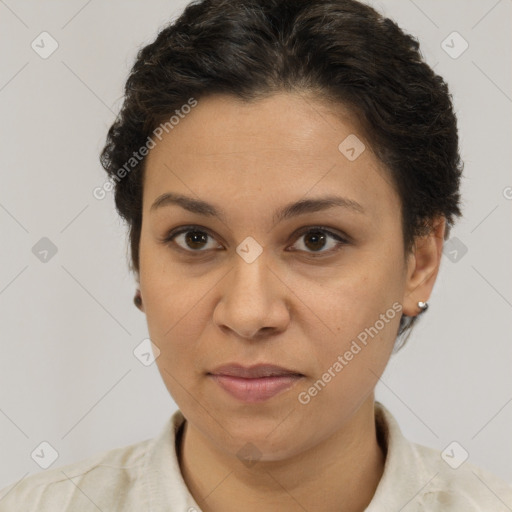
(340, 473)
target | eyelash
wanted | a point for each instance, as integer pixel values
(169, 239)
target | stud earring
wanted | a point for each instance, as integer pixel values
(423, 306)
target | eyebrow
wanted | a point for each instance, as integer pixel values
(301, 207)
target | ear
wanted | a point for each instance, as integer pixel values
(423, 267)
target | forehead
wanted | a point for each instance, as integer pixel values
(276, 149)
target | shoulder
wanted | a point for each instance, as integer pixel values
(465, 487)
(83, 484)
(418, 478)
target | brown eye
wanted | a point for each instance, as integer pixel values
(192, 240)
(314, 240)
(195, 239)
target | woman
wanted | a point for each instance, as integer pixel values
(288, 171)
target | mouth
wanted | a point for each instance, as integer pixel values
(253, 372)
(256, 383)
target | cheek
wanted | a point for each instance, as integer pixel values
(173, 309)
(167, 293)
(360, 312)
(176, 317)
(175, 314)
(351, 356)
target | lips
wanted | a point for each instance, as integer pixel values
(256, 383)
(253, 372)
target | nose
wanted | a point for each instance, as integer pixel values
(254, 300)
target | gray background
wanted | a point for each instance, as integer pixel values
(69, 328)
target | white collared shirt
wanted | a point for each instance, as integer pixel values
(145, 476)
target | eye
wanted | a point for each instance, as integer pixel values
(313, 240)
(196, 239)
(192, 239)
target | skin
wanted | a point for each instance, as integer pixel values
(288, 307)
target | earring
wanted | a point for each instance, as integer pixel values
(423, 306)
(137, 300)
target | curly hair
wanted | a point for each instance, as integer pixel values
(341, 50)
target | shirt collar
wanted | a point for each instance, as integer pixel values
(403, 479)
(404, 472)
(164, 487)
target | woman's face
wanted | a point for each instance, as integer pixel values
(249, 285)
